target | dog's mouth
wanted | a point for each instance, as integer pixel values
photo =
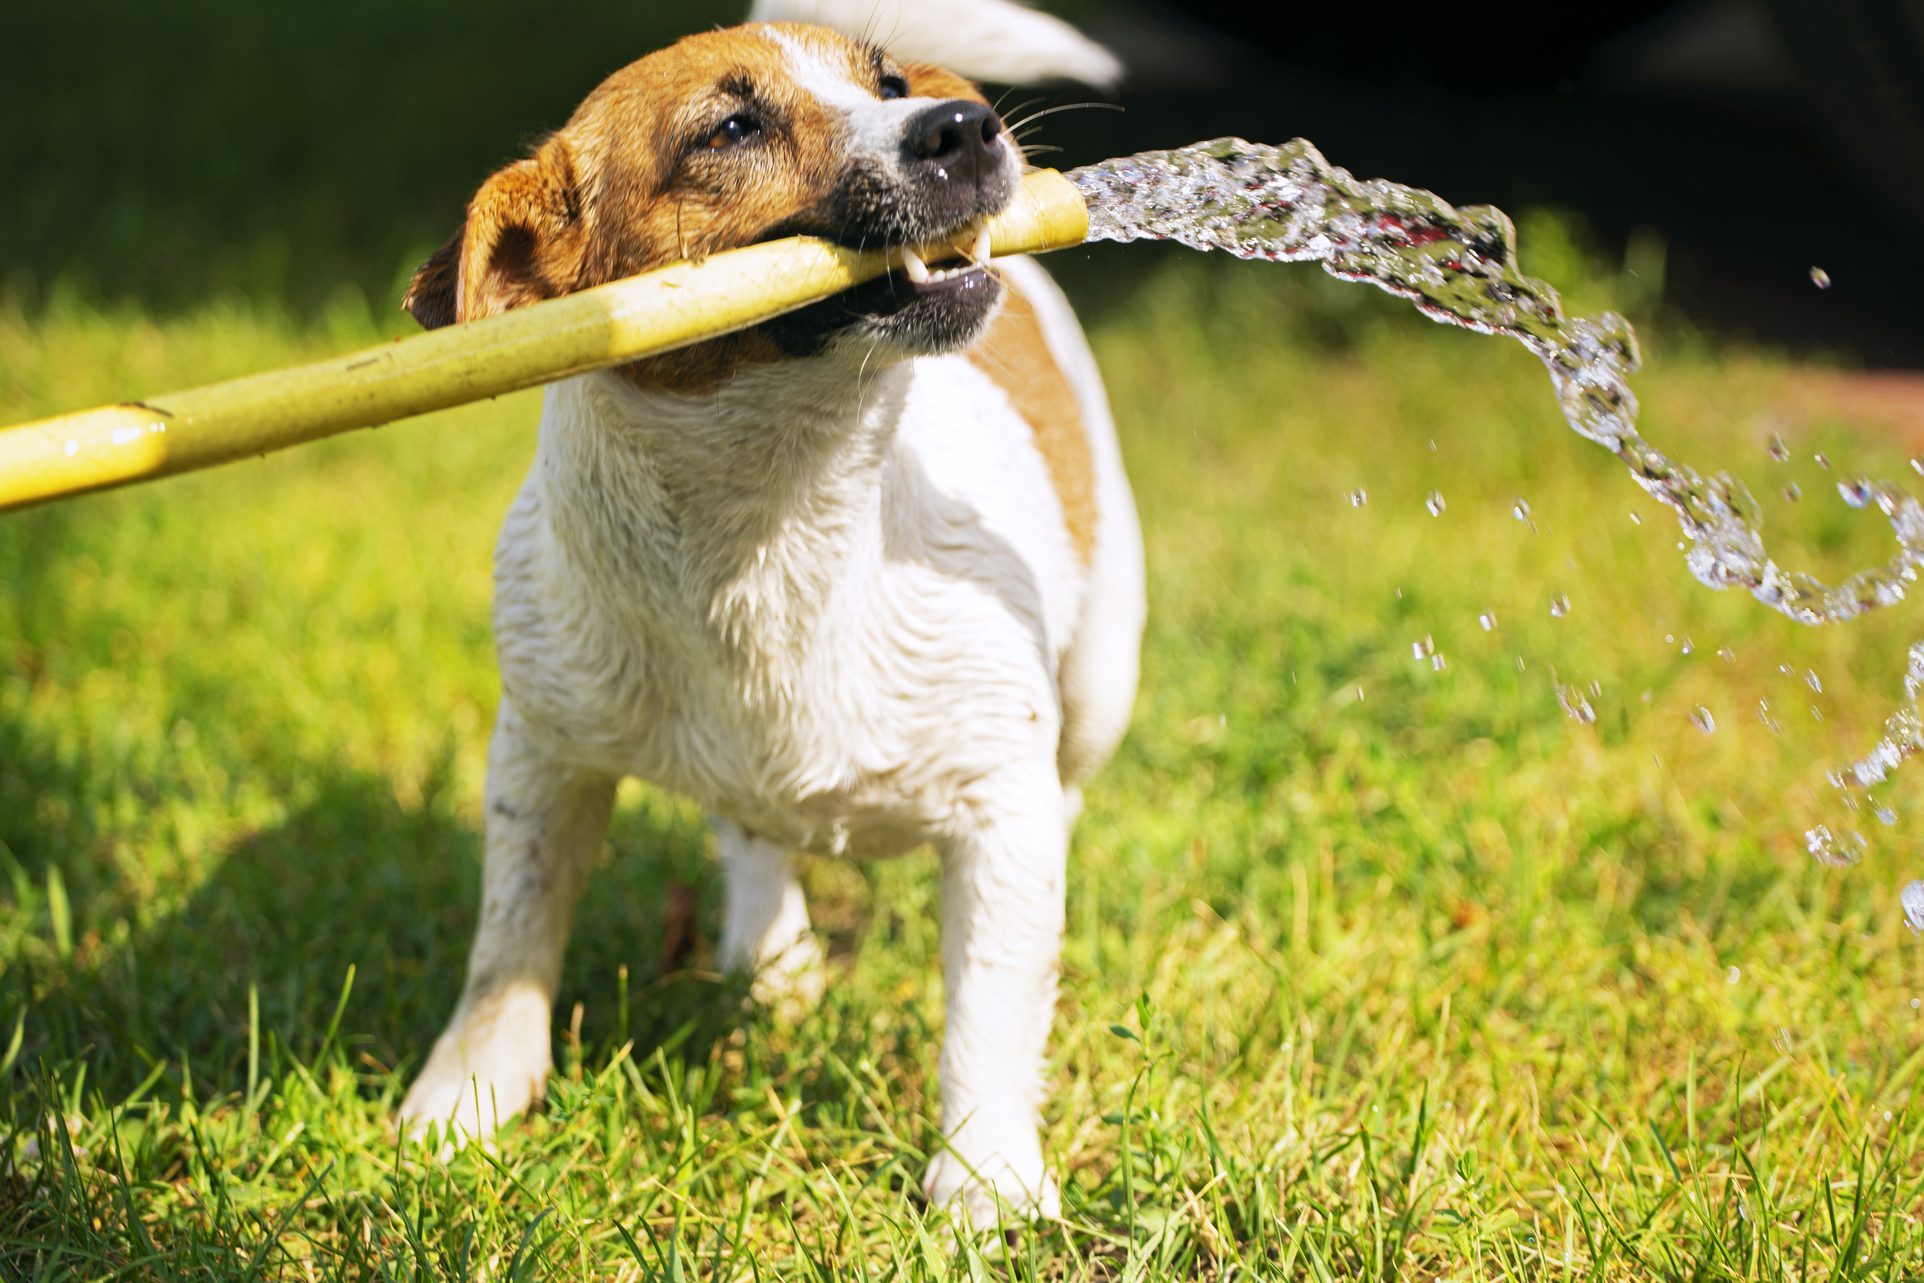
(914, 261)
(936, 296)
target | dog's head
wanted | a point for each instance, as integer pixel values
(730, 138)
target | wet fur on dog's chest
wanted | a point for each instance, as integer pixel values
(673, 604)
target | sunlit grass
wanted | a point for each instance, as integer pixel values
(1373, 969)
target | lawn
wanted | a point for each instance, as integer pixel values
(1376, 966)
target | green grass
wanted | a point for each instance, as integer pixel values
(1372, 970)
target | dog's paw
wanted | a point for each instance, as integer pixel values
(481, 1073)
(791, 984)
(997, 1191)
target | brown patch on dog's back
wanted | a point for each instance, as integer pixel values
(1016, 356)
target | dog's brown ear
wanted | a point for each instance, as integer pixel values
(521, 242)
(431, 294)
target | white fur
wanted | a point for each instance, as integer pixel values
(836, 602)
(873, 125)
(996, 40)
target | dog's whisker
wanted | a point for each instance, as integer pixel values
(1032, 117)
(1024, 105)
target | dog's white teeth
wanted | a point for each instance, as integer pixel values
(912, 263)
(982, 251)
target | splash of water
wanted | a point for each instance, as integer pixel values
(1458, 266)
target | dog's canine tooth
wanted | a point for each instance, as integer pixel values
(912, 264)
(982, 251)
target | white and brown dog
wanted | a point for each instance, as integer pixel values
(863, 578)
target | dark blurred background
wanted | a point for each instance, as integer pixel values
(172, 154)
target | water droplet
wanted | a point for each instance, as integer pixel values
(1435, 503)
(1778, 450)
(1812, 680)
(1520, 510)
(1422, 649)
(1886, 816)
(1559, 606)
(1438, 663)
(1771, 724)
(1575, 705)
(1912, 898)
(1827, 848)
(1359, 694)
(1726, 654)
(1793, 492)
(1917, 466)
(1701, 719)
(1855, 493)
(1688, 647)
(1733, 975)
(1820, 278)
(1822, 459)
(1816, 714)
(1488, 621)
(1358, 497)
(1519, 663)
(1635, 519)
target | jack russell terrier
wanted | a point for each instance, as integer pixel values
(863, 578)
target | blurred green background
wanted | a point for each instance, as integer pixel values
(185, 153)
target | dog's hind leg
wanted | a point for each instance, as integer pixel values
(765, 923)
(544, 821)
(1002, 913)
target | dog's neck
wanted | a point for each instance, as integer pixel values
(742, 513)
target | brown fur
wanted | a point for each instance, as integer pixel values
(1015, 354)
(627, 185)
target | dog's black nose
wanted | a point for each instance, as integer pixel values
(952, 136)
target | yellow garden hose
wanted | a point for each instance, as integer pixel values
(684, 303)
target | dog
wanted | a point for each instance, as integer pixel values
(863, 578)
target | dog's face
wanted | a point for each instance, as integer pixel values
(734, 137)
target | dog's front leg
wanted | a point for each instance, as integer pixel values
(544, 821)
(1002, 912)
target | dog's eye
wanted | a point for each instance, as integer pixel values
(894, 87)
(738, 128)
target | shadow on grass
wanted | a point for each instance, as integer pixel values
(354, 882)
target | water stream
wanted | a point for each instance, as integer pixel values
(1287, 204)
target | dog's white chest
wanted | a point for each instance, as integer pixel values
(832, 668)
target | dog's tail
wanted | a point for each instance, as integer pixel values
(994, 40)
